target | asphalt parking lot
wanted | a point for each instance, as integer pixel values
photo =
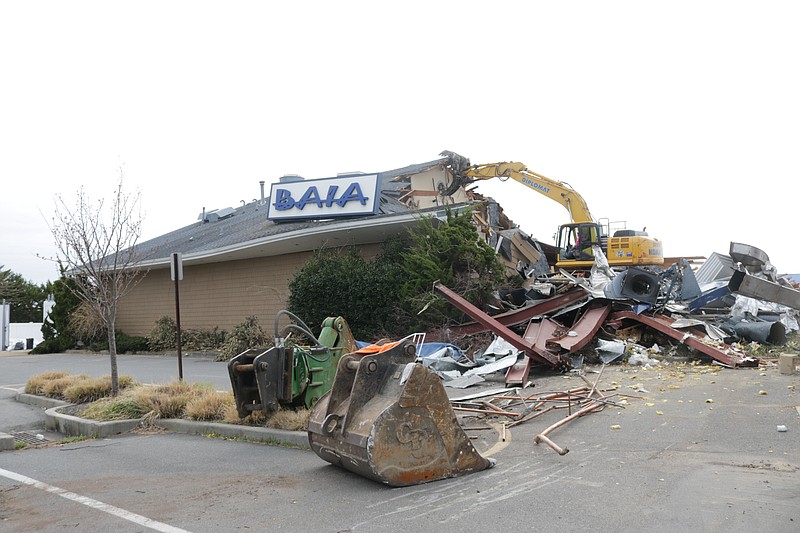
(693, 448)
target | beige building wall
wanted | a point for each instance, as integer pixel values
(217, 295)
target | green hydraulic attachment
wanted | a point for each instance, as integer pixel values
(289, 373)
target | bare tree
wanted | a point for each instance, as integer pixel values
(96, 244)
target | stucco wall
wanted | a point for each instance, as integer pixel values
(218, 295)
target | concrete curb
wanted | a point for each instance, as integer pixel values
(6, 442)
(73, 426)
(39, 401)
(268, 435)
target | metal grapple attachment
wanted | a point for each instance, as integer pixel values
(390, 420)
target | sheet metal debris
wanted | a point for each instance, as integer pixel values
(640, 316)
(664, 307)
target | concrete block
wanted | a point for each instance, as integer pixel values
(787, 363)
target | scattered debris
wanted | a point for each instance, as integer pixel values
(718, 313)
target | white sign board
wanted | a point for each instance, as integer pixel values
(343, 196)
(176, 267)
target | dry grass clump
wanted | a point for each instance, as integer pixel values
(289, 419)
(36, 384)
(255, 418)
(90, 389)
(209, 404)
(121, 407)
(284, 418)
(176, 399)
(73, 388)
(169, 400)
(56, 387)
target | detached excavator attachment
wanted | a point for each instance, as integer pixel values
(265, 379)
(389, 419)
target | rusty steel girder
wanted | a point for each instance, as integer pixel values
(518, 316)
(663, 324)
(545, 341)
(523, 345)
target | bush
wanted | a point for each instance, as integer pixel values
(342, 283)
(167, 401)
(203, 339)
(176, 399)
(59, 344)
(248, 334)
(125, 344)
(55, 388)
(132, 344)
(164, 335)
(452, 253)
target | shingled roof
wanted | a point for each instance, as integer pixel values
(244, 232)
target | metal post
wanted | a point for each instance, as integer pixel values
(177, 275)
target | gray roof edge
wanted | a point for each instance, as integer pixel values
(378, 221)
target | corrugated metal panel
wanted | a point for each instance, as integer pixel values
(717, 266)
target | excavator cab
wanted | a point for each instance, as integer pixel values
(575, 243)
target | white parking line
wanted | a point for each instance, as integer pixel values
(89, 502)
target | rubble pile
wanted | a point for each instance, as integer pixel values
(717, 316)
(641, 315)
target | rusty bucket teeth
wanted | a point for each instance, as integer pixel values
(390, 420)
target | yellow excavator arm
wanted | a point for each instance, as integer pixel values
(575, 240)
(558, 191)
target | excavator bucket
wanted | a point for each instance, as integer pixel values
(389, 419)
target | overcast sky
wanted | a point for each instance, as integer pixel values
(680, 116)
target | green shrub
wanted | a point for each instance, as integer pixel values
(341, 283)
(453, 253)
(203, 340)
(248, 334)
(132, 344)
(59, 344)
(387, 296)
(125, 344)
(164, 335)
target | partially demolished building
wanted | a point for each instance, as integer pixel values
(238, 262)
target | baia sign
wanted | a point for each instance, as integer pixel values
(343, 196)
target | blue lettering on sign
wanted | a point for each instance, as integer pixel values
(284, 201)
(531, 183)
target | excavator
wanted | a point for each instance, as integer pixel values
(576, 239)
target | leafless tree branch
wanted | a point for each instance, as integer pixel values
(98, 248)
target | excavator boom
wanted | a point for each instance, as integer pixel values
(575, 240)
(558, 191)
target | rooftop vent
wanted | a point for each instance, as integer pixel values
(289, 178)
(216, 214)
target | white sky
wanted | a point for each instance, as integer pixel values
(681, 116)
